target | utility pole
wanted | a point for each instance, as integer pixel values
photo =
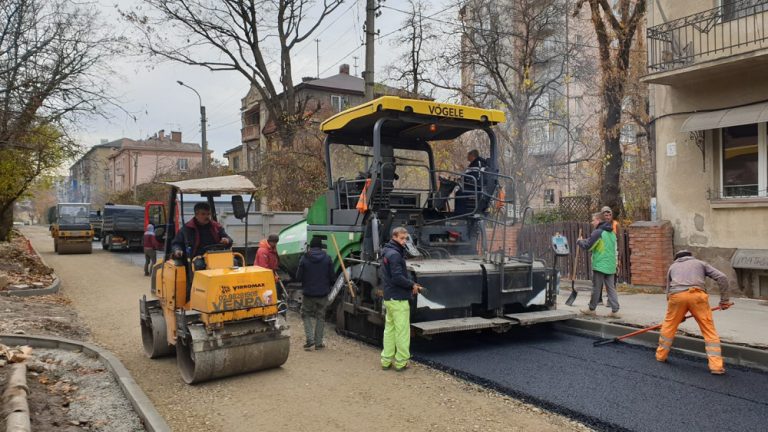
(370, 33)
(203, 122)
(135, 176)
(317, 50)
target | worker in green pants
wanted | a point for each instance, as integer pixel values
(398, 289)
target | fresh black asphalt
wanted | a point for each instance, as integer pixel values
(613, 387)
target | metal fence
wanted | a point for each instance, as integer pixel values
(735, 27)
(536, 240)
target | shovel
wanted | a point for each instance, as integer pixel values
(343, 267)
(572, 297)
(641, 331)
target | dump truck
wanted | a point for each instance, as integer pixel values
(219, 315)
(382, 173)
(70, 228)
(122, 227)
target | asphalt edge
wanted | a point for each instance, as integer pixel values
(590, 421)
(53, 288)
(152, 419)
(732, 354)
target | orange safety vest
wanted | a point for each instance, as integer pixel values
(362, 202)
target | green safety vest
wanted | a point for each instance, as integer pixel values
(604, 253)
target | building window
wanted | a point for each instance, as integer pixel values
(252, 118)
(549, 196)
(735, 9)
(236, 163)
(182, 164)
(628, 134)
(338, 103)
(742, 148)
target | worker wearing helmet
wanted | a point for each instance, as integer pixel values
(686, 292)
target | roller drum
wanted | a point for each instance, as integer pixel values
(236, 349)
(74, 247)
(155, 337)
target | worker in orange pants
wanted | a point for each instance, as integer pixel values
(685, 292)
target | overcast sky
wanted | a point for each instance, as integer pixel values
(150, 92)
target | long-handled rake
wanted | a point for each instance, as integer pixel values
(641, 331)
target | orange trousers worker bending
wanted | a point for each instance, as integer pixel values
(685, 292)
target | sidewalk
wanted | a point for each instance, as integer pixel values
(744, 323)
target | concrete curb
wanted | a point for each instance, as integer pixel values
(732, 354)
(152, 419)
(53, 288)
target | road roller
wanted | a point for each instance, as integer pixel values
(71, 228)
(219, 315)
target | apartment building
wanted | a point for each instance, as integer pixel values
(709, 100)
(140, 161)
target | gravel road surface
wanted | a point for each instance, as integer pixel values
(339, 389)
(613, 387)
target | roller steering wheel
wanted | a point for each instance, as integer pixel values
(214, 247)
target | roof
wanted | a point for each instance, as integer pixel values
(233, 150)
(350, 83)
(229, 184)
(412, 118)
(164, 145)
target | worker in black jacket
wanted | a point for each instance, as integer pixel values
(316, 275)
(398, 289)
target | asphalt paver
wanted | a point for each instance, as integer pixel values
(612, 387)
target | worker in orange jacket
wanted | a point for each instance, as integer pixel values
(686, 292)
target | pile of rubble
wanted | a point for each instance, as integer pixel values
(57, 390)
(20, 267)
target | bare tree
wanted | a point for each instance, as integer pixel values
(615, 27)
(511, 57)
(412, 66)
(54, 59)
(241, 36)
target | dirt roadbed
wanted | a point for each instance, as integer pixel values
(341, 388)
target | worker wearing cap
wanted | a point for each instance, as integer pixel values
(686, 292)
(602, 244)
(266, 255)
(607, 214)
(316, 275)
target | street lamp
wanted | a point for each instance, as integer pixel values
(202, 128)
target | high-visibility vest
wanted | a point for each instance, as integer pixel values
(362, 202)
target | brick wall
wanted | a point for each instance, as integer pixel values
(511, 244)
(652, 251)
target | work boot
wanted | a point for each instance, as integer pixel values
(319, 346)
(717, 372)
(401, 369)
(308, 346)
(614, 315)
(386, 367)
(588, 312)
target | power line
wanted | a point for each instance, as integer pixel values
(379, 37)
(501, 33)
(352, 4)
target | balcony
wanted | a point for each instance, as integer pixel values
(249, 133)
(722, 41)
